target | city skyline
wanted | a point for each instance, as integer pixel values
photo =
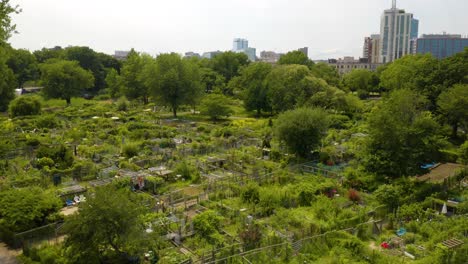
(335, 29)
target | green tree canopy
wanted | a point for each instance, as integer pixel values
(24, 65)
(88, 60)
(453, 105)
(361, 80)
(64, 79)
(211, 80)
(290, 86)
(26, 208)
(114, 83)
(329, 74)
(253, 84)
(6, 25)
(46, 54)
(109, 228)
(302, 129)
(402, 135)
(216, 106)
(7, 79)
(133, 83)
(416, 72)
(174, 81)
(296, 57)
(229, 63)
(454, 70)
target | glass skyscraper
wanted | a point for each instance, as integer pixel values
(398, 31)
(240, 44)
(441, 46)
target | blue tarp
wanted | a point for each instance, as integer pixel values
(428, 165)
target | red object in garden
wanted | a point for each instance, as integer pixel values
(385, 245)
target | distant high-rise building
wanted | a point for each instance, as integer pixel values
(398, 31)
(371, 48)
(270, 56)
(375, 52)
(191, 54)
(211, 54)
(441, 45)
(304, 50)
(242, 45)
(121, 54)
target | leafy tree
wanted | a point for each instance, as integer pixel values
(109, 62)
(229, 63)
(329, 74)
(463, 153)
(114, 83)
(360, 80)
(24, 66)
(26, 208)
(216, 106)
(174, 81)
(88, 60)
(64, 79)
(388, 195)
(454, 70)
(207, 223)
(453, 105)
(46, 54)
(133, 83)
(60, 154)
(211, 80)
(296, 57)
(402, 135)
(253, 82)
(415, 72)
(6, 25)
(108, 229)
(25, 105)
(290, 86)
(302, 129)
(7, 81)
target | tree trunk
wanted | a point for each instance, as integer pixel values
(68, 101)
(174, 111)
(454, 130)
(258, 112)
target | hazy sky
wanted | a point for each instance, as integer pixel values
(330, 28)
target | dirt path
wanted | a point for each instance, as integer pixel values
(8, 256)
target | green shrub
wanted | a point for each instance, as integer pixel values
(187, 171)
(130, 150)
(123, 104)
(24, 106)
(60, 154)
(47, 121)
(43, 162)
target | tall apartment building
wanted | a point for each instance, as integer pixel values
(441, 45)
(398, 32)
(304, 50)
(371, 48)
